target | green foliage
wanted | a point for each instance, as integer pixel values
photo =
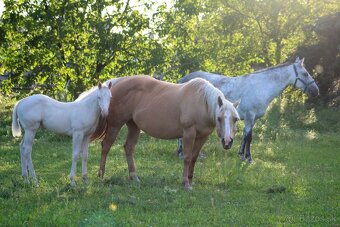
(323, 57)
(63, 47)
(51, 44)
(294, 179)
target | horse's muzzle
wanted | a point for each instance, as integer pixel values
(313, 90)
(227, 146)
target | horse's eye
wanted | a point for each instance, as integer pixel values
(305, 74)
(219, 119)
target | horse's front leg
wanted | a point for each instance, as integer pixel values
(77, 139)
(242, 146)
(199, 142)
(129, 147)
(110, 137)
(249, 138)
(189, 135)
(85, 155)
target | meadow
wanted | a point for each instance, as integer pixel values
(294, 180)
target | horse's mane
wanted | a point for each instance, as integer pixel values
(273, 67)
(86, 93)
(101, 128)
(208, 92)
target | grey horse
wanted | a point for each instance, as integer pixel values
(256, 91)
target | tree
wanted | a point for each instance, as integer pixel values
(51, 44)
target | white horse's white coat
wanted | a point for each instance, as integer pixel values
(77, 119)
(256, 91)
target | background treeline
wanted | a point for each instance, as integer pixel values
(63, 47)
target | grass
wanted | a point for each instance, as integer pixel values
(294, 179)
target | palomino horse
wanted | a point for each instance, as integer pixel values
(167, 111)
(256, 91)
(77, 119)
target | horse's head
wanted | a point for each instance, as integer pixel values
(104, 98)
(303, 79)
(226, 118)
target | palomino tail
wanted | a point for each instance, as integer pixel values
(16, 130)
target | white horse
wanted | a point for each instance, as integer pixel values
(78, 119)
(256, 91)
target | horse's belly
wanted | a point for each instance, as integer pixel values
(160, 130)
(58, 128)
(164, 134)
(160, 121)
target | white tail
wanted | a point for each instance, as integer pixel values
(16, 130)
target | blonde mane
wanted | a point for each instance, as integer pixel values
(86, 93)
(208, 92)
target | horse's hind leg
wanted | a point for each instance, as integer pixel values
(110, 137)
(180, 148)
(26, 157)
(129, 147)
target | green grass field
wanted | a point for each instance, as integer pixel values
(294, 180)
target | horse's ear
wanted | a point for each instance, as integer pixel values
(297, 60)
(219, 101)
(302, 60)
(235, 104)
(99, 85)
(110, 85)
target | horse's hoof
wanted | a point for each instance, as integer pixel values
(85, 180)
(201, 155)
(27, 181)
(187, 185)
(135, 179)
(35, 182)
(100, 173)
(242, 158)
(188, 188)
(133, 176)
(249, 160)
(180, 156)
(73, 183)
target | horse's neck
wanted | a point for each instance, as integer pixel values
(274, 82)
(90, 102)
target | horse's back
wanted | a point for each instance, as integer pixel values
(229, 86)
(34, 110)
(213, 78)
(38, 102)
